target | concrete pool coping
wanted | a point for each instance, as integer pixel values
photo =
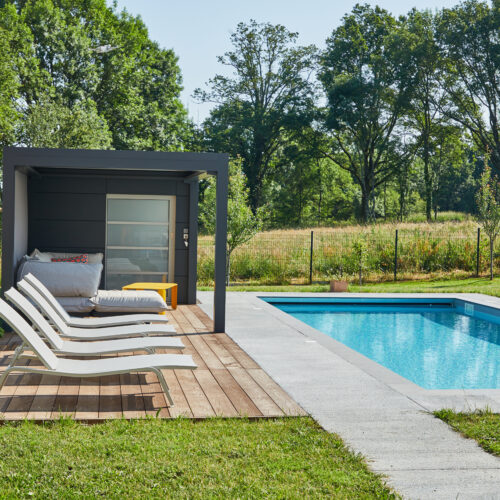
(377, 412)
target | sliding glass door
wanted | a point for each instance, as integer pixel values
(140, 239)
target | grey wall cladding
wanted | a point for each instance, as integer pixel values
(67, 213)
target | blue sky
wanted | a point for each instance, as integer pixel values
(198, 30)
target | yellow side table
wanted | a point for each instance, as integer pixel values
(161, 288)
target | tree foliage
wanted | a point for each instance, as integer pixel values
(488, 208)
(82, 61)
(269, 96)
(469, 43)
(242, 223)
(368, 87)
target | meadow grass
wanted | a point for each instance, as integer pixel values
(282, 257)
(153, 458)
(481, 425)
(469, 285)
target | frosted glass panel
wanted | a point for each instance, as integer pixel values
(138, 233)
(138, 210)
(117, 281)
(144, 235)
(136, 260)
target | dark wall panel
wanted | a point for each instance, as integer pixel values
(68, 213)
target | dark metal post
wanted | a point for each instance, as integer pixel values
(396, 257)
(220, 251)
(311, 259)
(477, 251)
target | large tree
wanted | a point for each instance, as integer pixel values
(417, 41)
(268, 95)
(469, 41)
(88, 56)
(367, 83)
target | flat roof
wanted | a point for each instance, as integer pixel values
(85, 161)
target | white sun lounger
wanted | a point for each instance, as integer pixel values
(125, 319)
(53, 365)
(69, 348)
(110, 332)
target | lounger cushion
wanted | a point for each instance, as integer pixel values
(94, 258)
(64, 279)
(76, 304)
(128, 301)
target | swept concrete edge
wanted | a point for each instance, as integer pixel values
(378, 413)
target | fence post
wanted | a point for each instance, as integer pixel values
(311, 259)
(396, 257)
(477, 251)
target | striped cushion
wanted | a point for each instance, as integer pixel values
(81, 259)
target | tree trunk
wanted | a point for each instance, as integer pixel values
(492, 241)
(228, 268)
(365, 205)
(428, 187)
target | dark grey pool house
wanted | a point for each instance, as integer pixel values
(62, 200)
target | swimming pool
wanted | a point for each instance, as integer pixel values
(437, 344)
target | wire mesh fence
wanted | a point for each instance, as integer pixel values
(321, 256)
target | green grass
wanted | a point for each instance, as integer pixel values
(216, 458)
(483, 426)
(469, 285)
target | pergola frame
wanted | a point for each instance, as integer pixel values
(188, 165)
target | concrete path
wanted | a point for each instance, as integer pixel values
(373, 411)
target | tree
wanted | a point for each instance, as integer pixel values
(488, 209)
(53, 125)
(269, 95)
(367, 85)
(8, 91)
(135, 84)
(470, 46)
(242, 223)
(418, 42)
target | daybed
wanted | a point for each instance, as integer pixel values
(74, 280)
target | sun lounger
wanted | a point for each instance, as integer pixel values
(69, 348)
(102, 333)
(125, 319)
(54, 365)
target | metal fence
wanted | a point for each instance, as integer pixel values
(320, 256)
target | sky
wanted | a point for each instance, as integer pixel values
(199, 30)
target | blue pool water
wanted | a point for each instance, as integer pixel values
(435, 346)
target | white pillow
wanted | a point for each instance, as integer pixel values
(94, 258)
(128, 301)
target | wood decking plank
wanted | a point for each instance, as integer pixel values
(45, 397)
(193, 319)
(67, 397)
(87, 406)
(209, 357)
(203, 317)
(255, 392)
(218, 399)
(243, 404)
(241, 356)
(181, 406)
(225, 357)
(110, 397)
(196, 398)
(278, 395)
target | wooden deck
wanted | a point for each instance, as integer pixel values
(227, 383)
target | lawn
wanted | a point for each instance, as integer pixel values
(483, 426)
(215, 458)
(468, 285)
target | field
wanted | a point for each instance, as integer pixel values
(284, 256)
